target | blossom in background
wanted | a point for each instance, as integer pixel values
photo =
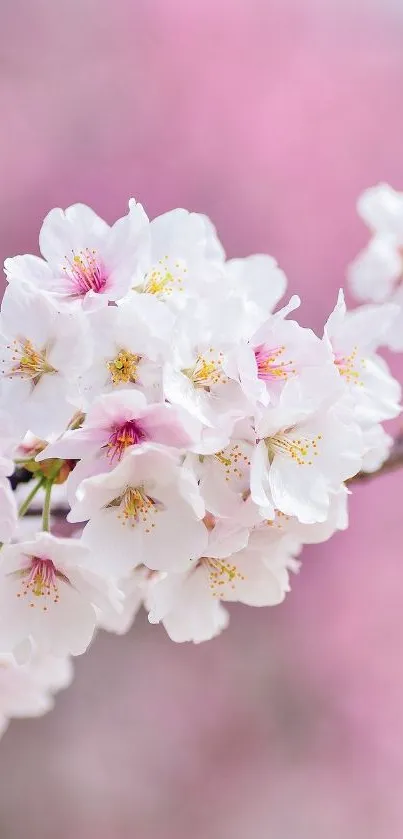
(377, 272)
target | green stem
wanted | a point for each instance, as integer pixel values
(46, 505)
(25, 504)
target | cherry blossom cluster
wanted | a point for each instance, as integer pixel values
(195, 433)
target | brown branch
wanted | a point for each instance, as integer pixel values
(394, 462)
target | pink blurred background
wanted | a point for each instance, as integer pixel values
(271, 116)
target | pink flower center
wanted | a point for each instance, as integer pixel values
(270, 367)
(85, 272)
(40, 580)
(127, 434)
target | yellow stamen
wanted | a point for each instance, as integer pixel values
(207, 370)
(300, 449)
(165, 277)
(347, 367)
(123, 368)
(29, 362)
(136, 507)
(221, 572)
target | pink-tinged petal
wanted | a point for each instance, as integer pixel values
(110, 408)
(163, 424)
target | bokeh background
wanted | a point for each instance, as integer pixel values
(271, 116)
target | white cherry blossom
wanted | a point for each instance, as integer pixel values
(200, 375)
(279, 350)
(84, 259)
(189, 604)
(117, 421)
(129, 344)
(307, 448)
(185, 254)
(354, 337)
(42, 353)
(147, 511)
(48, 594)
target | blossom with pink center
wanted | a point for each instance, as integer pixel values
(115, 423)
(84, 259)
(278, 351)
(270, 366)
(48, 595)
